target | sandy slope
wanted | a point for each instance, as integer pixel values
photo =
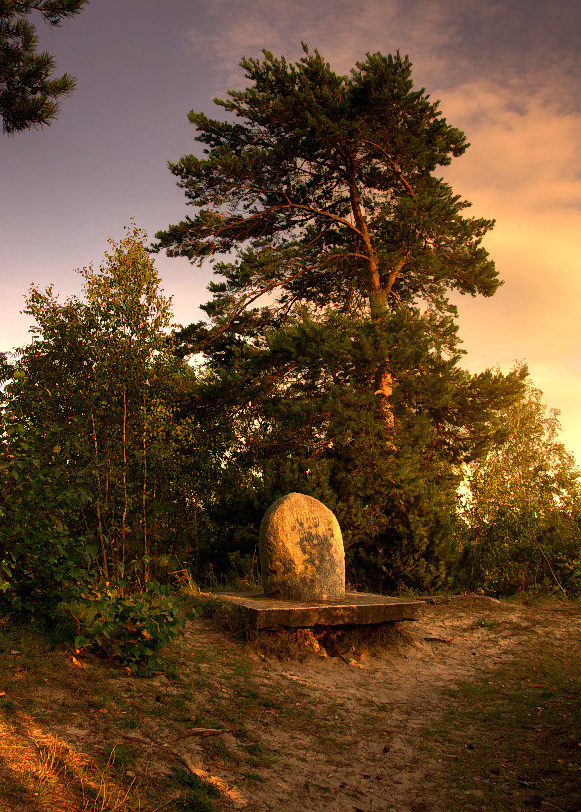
(380, 705)
(316, 734)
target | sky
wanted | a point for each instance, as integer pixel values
(507, 72)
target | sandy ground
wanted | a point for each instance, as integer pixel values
(311, 734)
(381, 704)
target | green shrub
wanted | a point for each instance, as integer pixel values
(132, 628)
(45, 552)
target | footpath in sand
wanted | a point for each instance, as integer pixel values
(373, 760)
(340, 733)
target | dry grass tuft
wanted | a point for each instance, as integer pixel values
(55, 776)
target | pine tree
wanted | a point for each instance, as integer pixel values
(28, 93)
(331, 336)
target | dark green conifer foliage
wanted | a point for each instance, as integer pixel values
(28, 93)
(331, 341)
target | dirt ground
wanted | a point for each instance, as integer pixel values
(323, 733)
(383, 703)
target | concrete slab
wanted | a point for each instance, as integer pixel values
(356, 608)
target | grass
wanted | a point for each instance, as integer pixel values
(199, 795)
(55, 775)
(46, 687)
(511, 739)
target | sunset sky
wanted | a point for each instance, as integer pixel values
(508, 73)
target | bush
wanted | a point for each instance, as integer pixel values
(131, 628)
(45, 552)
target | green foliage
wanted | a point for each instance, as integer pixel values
(331, 349)
(45, 552)
(523, 508)
(102, 370)
(133, 628)
(90, 469)
(29, 96)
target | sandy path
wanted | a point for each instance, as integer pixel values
(325, 734)
(378, 706)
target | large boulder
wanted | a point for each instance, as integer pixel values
(301, 550)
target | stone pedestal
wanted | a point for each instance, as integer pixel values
(354, 609)
(302, 560)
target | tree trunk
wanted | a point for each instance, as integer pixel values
(121, 558)
(383, 381)
(98, 501)
(144, 496)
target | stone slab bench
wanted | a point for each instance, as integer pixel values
(355, 608)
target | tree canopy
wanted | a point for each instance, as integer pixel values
(522, 508)
(29, 93)
(326, 188)
(88, 409)
(330, 336)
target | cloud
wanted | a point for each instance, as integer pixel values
(341, 32)
(522, 168)
(449, 41)
(522, 148)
